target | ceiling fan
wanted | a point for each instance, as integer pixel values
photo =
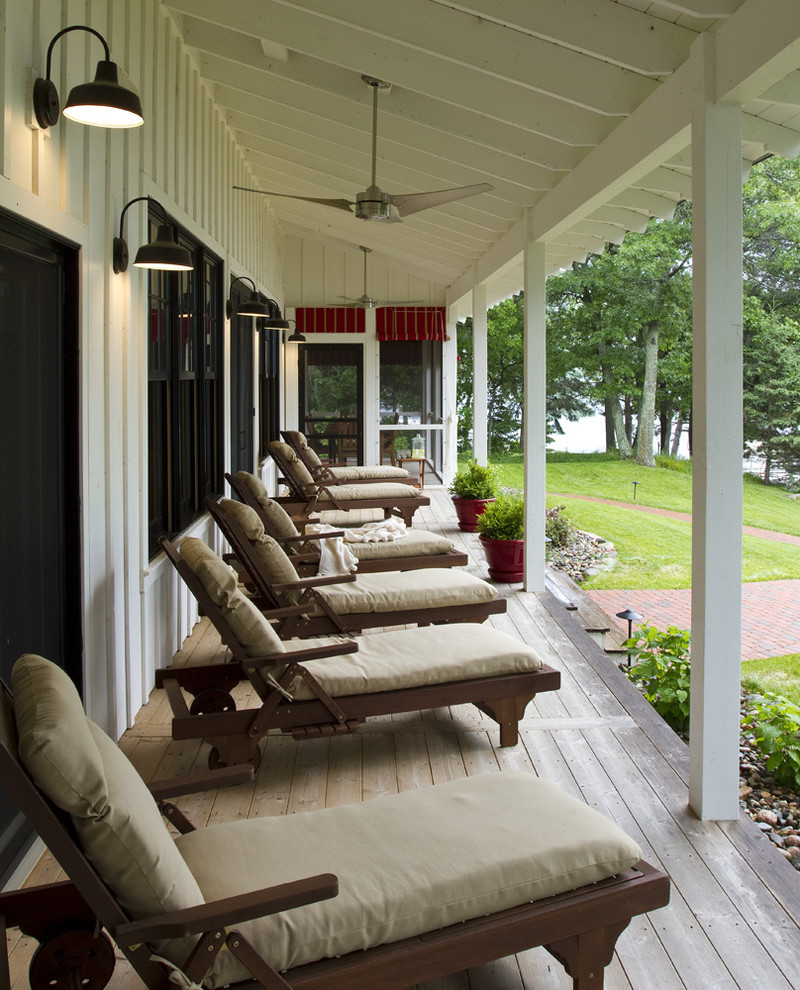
(366, 301)
(374, 203)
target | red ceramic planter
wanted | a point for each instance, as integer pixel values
(504, 558)
(468, 510)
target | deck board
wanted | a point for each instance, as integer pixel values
(735, 909)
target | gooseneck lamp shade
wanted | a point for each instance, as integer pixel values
(295, 337)
(164, 253)
(101, 103)
(275, 321)
(250, 304)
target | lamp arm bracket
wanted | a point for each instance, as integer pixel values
(66, 30)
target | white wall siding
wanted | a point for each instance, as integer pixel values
(74, 181)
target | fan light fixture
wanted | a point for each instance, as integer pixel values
(102, 103)
(164, 253)
(250, 305)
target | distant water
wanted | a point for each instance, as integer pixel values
(588, 436)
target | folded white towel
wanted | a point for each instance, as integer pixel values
(334, 556)
(377, 532)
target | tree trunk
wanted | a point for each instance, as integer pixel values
(614, 409)
(647, 407)
(609, 425)
(676, 436)
(665, 419)
(767, 468)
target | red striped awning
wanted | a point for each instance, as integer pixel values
(332, 319)
(411, 323)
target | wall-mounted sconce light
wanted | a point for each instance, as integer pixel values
(103, 103)
(275, 321)
(164, 253)
(251, 304)
(295, 337)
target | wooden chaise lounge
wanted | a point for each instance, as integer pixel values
(387, 893)
(322, 687)
(350, 602)
(418, 548)
(342, 474)
(307, 496)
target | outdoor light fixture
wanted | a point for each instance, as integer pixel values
(275, 321)
(164, 253)
(630, 617)
(295, 337)
(251, 304)
(102, 103)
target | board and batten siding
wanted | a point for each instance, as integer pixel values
(74, 181)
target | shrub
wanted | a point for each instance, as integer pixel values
(775, 725)
(503, 519)
(476, 481)
(557, 528)
(662, 671)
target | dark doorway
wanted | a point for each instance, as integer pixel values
(331, 379)
(40, 602)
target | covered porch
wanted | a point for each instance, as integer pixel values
(735, 906)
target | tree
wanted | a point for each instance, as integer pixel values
(771, 262)
(616, 316)
(505, 385)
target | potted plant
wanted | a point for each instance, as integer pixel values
(501, 529)
(472, 489)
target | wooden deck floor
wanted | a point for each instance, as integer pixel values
(735, 911)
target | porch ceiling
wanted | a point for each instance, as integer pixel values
(576, 111)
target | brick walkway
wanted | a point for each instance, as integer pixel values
(769, 608)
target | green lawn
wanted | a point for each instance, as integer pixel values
(781, 675)
(605, 476)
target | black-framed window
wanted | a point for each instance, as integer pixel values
(269, 386)
(184, 389)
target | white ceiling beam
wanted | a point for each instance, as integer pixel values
(641, 199)
(349, 47)
(756, 48)
(615, 33)
(776, 139)
(703, 8)
(489, 49)
(669, 180)
(786, 90)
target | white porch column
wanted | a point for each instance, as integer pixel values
(716, 455)
(480, 376)
(450, 397)
(534, 431)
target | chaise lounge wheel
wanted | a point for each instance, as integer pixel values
(211, 701)
(215, 761)
(74, 960)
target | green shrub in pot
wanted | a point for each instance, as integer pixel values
(503, 519)
(478, 481)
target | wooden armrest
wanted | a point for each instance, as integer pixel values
(318, 536)
(319, 652)
(209, 780)
(313, 582)
(229, 910)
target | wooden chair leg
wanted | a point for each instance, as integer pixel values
(507, 712)
(585, 956)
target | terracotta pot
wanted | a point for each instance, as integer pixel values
(468, 510)
(504, 558)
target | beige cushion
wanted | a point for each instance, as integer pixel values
(300, 473)
(416, 541)
(389, 591)
(84, 773)
(280, 521)
(365, 472)
(300, 443)
(277, 564)
(246, 622)
(409, 658)
(406, 863)
(391, 490)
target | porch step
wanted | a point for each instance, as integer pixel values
(600, 626)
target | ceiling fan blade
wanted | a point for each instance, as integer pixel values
(338, 204)
(414, 202)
